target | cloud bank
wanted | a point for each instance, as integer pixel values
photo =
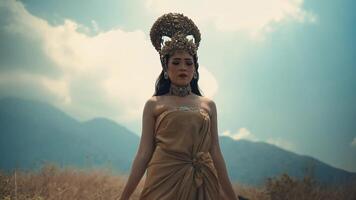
(254, 17)
(110, 74)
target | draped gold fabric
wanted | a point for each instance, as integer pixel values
(181, 168)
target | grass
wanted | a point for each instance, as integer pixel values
(52, 182)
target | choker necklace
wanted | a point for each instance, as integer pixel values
(180, 90)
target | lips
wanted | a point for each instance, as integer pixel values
(183, 75)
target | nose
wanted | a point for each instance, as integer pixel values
(183, 66)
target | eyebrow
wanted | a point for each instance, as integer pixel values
(180, 59)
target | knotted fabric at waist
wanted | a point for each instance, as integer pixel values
(200, 162)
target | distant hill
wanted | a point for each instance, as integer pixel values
(252, 162)
(33, 132)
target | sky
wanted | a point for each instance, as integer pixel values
(279, 71)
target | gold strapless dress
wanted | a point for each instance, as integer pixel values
(181, 168)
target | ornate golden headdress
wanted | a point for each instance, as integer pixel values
(177, 28)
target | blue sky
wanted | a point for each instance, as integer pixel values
(280, 71)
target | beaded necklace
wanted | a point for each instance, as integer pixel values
(180, 90)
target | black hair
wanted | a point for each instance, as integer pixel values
(162, 85)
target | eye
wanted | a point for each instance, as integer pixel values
(189, 63)
(175, 63)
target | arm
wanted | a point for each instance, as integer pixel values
(217, 157)
(144, 152)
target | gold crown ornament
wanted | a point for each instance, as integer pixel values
(174, 31)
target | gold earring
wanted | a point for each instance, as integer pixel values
(195, 75)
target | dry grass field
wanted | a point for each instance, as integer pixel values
(52, 182)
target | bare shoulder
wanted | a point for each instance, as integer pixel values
(205, 99)
(208, 104)
(151, 101)
(156, 104)
(150, 105)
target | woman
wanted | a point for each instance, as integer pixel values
(179, 145)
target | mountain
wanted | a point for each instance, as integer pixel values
(34, 132)
(252, 162)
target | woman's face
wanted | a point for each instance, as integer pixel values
(181, 68)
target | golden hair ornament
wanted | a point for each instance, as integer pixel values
(174, 31)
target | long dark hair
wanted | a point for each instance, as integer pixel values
(162, 85)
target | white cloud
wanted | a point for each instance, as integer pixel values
(353, 143)
(110, 74)
(284, 144)
(254, 16)
(245, 134)
(242, 133)
(55, 89)
(95, 25)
